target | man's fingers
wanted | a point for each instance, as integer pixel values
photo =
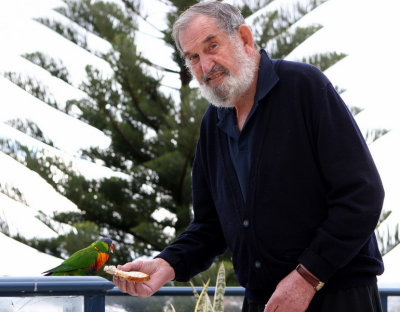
(127, 286)
(121, 283)
(132, 288)
(131, 266)
(271, 308)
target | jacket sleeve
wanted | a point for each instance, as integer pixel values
(195, 249)
(354, 190)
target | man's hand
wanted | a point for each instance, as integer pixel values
(293, 294)
(159, 270)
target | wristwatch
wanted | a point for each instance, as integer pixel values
(309, 277)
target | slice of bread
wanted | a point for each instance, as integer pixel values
(133, 276)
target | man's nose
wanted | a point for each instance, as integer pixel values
(207, 64)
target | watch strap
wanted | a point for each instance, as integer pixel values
(309, 277)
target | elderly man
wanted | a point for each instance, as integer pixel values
(282, 177)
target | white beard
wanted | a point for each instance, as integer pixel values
(231, 88)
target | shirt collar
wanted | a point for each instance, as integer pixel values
(267, 79)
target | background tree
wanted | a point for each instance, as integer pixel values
(153, 135)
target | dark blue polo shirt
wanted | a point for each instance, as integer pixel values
(241, 143)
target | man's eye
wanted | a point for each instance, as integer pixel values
(213, 46)
(193, 59)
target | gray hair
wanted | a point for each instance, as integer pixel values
(228, 18)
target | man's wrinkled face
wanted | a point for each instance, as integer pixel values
(218, 61)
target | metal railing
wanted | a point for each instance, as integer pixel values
(91, 288)
(386, 291)
(94, 290)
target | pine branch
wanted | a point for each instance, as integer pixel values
(374, 134)
(278, 23)
(55, 68)
(12, 192)
(166, 2)
(135, 103)
(324, 60)
(33, 87)
(135, 10)
(139, 156)
(156, 66)
(67, 32)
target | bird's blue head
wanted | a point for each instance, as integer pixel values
(108, 241)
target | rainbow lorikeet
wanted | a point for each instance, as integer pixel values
(86, 261)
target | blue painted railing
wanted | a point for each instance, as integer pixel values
(95, 290)
(386, 291)
(91, 288)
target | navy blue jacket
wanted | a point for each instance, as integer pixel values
(314, 194)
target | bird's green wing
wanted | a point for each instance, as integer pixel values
(81, 259)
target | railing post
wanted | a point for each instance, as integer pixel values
(94, 303)
(384, 301)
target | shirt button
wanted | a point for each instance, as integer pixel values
(246, 223)
(257, 264)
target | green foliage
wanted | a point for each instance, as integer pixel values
(49, 167)
(218, 304)
(384, 215)
(33, 87)
(249, 7)
(374, 134)
(388, 238)
(339, 90)
(63, 246)
(203, 301)
(324, 60)
(4, 228)
(355, 110)
(105, 19)
(274, 29)
(54, 67)
(12, 192)
(288, 41)
(246, 10)
(29, 128)
(66, 31)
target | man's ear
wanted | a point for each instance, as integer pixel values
(247, 37)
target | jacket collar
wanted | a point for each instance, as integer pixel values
(267, 79)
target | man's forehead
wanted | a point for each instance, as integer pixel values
(201, 30)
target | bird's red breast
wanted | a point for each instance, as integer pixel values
(102, 258)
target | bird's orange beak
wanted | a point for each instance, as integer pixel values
(112, 248)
